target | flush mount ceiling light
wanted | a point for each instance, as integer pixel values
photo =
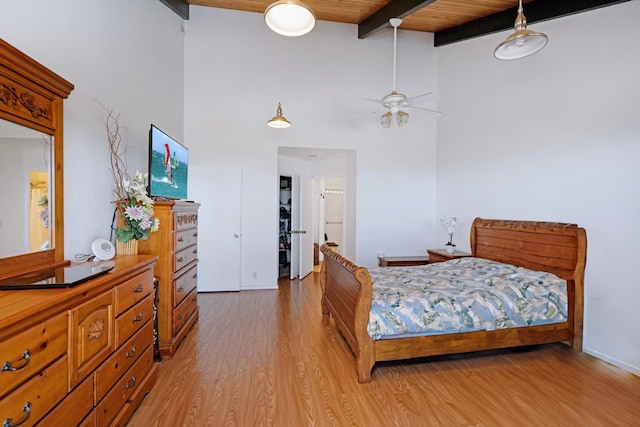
(278, 121)
(289, 18)
(522, 42)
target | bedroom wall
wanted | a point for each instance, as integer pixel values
(125, 54)
(237, 70)
(554, 137)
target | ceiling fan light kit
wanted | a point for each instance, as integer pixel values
(522, 42)
(279, 121)
(289, 18)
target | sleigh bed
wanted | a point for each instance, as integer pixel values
(556, 248)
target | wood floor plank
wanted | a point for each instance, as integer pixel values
(269, 358)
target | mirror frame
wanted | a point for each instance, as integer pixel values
(31, 95)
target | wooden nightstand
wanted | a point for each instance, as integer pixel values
(397, 261)
(441, 255)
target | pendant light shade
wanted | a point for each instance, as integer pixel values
(278, 121)
(289, 18)
(522, 42)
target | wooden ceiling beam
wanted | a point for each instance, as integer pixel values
(535, 11)
(181, 7)
(393, 9)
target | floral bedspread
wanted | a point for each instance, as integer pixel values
(461, 295)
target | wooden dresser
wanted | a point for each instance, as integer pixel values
(176, 245)
(79, 356)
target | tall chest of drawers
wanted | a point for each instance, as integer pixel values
(176, 245)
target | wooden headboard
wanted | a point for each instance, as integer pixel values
(555, 247)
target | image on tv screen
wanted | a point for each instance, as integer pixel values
(168, 165)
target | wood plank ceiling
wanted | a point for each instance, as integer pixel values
(449, 20)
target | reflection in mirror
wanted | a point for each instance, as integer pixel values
(25, 185)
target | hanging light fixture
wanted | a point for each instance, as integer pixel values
(279, 121)
(289, 18)
(522, 42)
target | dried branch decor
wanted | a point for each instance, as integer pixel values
(133, 203)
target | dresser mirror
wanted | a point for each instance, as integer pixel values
(25, 186)
(31, 175)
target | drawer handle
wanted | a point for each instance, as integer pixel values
(132, 354)
(180, 239)
(138, 318)
(26, 409)
(195, 234)
(7, 365)
(181, 289)
(180, 259)
(179, 316)
(195, 275)
(138, 288)
(195, 251)
(131, 383)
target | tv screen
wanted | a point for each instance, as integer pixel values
(168, 166)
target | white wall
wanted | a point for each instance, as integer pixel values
(126, 54)
(237, 70)
(555, 137)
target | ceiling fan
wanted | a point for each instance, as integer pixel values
(395, 103)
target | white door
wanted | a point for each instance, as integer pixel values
(301, 226)
(306, 226)
(218, 190)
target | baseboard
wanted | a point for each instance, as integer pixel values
(257, 287)
(613, 361)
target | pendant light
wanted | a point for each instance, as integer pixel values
(289, 18)
(522, 42)
(278, 121)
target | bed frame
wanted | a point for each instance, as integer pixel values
(545, 246)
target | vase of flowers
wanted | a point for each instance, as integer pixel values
(450, 226)
(136, 219)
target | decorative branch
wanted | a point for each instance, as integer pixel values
(118, 157)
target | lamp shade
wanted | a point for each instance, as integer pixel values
(289, 18)
(522, 42)
(279, 121)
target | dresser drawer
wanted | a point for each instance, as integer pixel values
(74, 408)
(184, 310)
(133, 290)
(36, 397)
(92, 336)
(185, 284)
(185, 257)
(185, 238)
(28, 352)
(109, 407)
(185, 219)
(133, 319)
(111, 370)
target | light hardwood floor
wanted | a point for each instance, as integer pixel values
(267, 358)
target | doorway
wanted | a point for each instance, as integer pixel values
(312, 166)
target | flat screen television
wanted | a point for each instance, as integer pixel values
(168, 166)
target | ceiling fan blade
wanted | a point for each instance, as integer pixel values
(425, 109)
(377, 101)
(425, 97)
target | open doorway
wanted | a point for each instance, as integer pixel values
(324, 169)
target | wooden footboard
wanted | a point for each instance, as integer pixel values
(346, 295)
(544, 246)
